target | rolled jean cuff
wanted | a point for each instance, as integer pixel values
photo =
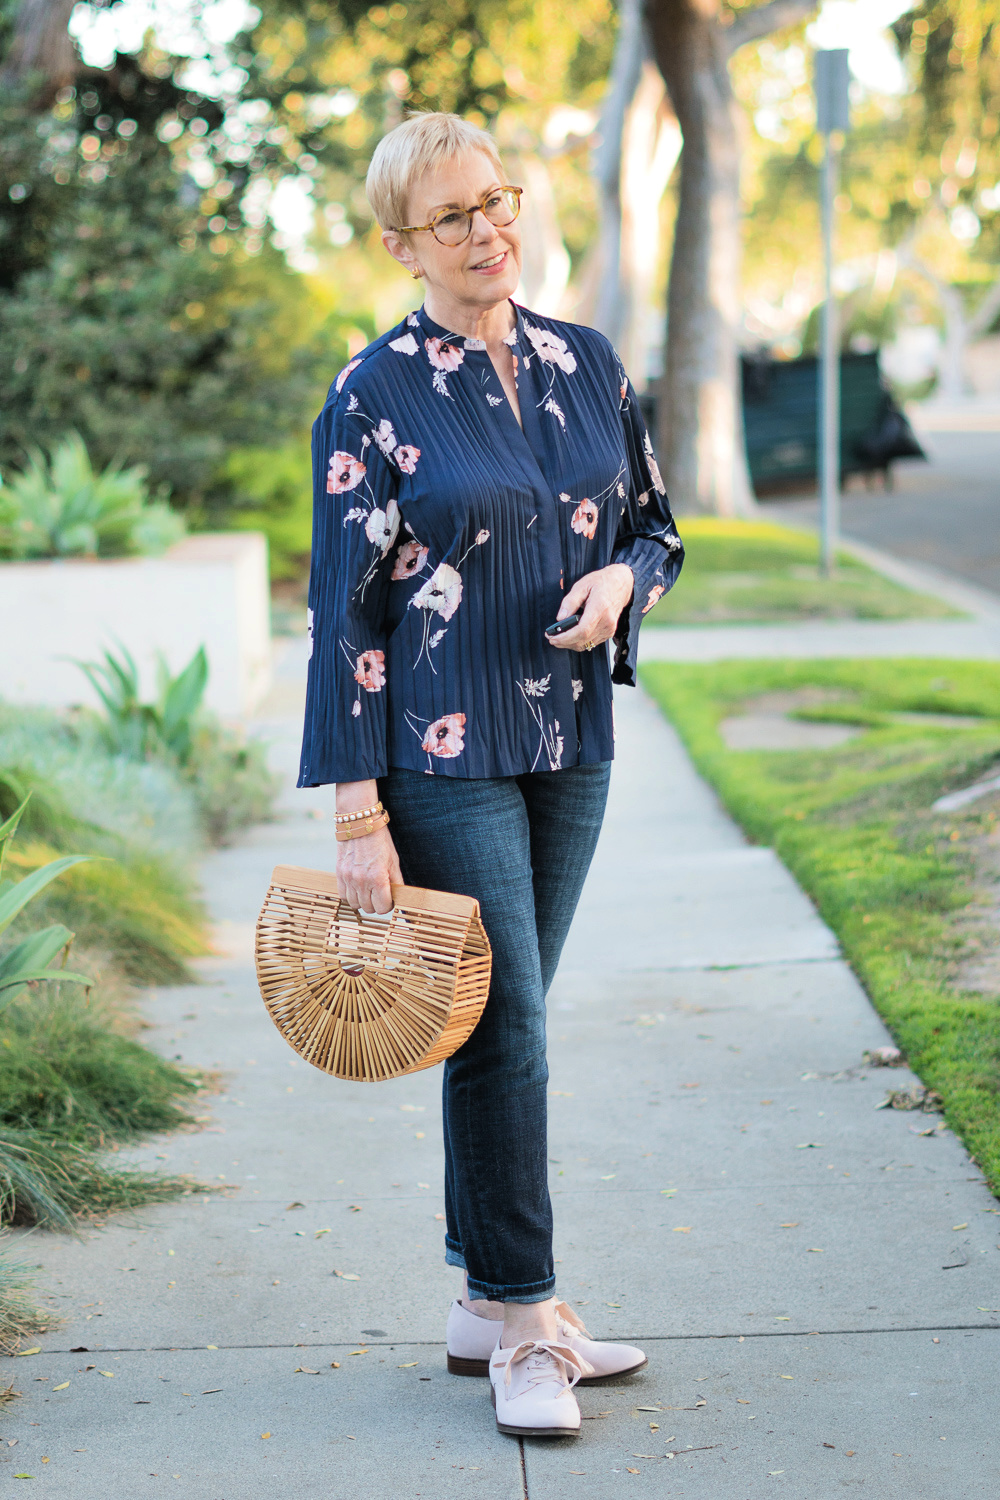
(535, 1291)
(453, 1255)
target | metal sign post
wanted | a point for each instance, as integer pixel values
(832, 118)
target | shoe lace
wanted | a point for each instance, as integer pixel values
(543, 1362)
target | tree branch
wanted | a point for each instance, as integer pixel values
(751, 25)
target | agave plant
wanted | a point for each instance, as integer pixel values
(31, 960)
(60, 506)
(139, 730)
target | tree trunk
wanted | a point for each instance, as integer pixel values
(41, 52)
(651, 145)
(699, 414)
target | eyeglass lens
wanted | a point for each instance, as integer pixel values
(500, 208)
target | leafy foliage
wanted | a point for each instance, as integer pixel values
(50, 1182)
(59, 506)
(29, 961)
(858, 831)
(140, 730)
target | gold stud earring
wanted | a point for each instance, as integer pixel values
(416, 272)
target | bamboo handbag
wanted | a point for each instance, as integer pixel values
(370, 997)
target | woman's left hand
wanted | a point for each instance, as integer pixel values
(602, 596)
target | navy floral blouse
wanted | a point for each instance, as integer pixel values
(444, 538)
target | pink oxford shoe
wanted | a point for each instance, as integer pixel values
(471, 1342)
(532, 1389)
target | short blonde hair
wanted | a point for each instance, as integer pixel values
(406, 153)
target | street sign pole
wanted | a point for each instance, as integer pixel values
(832, 117)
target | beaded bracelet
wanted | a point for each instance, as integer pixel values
(364, 812)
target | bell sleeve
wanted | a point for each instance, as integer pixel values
(355, 520)
(647, 539)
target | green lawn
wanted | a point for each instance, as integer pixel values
(893, 879)
(757, 571)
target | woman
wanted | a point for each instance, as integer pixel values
(480, 473)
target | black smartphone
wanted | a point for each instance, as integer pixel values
(561, 626)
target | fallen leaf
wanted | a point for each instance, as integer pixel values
(24, 1476)
(651, 1408)
(773, 1472)
(849, 1452)
(792, 1224)
(321, 1231)
(632, 1471)
(439, 1216)
(572, 1471)
(612, 1304)
(347, 1275)
(354, 1208)
(109, 1374)
(211, 1346)
(805, 1146)
(22, 1354)
(786, 1377)
(959, 1226)
(682, 1229)
(294, 1205)
(214, 1390)
(62, 1387)
(609, 1176)
(408, 1366)
(335, 1364)
(814, 1250)
(357, 1351)
(265, 1434)
(304, 1370)
(740, 1401)
(828, 1445)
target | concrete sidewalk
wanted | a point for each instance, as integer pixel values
(814, 1280)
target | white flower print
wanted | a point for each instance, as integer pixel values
(671, 542)
(553, 406)
(356, 709)
(653, 467)
(442, 592)
(339, 382)
(566, 499)
(352, 402)
(310, 617)
(550, 740)
(437, 638)
(494, 400)
(536, 687)
(481, 537)
(406, 457)
(384, 436)
(621, 491)
(355, 514)
(475, 345)
(407, 344)
(412, 320)
(577, 687)
(382, 525)
(551, 348)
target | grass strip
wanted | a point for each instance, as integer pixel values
(19, 1316)
(66, 1071)
(892, 878)
(52, 1183)
(745, 571)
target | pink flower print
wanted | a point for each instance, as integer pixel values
(653, 467)
(406, 456)
(442, 592)
(409, 560)
(585, 517)
(624, 389)
(370, 671)
(382, 525)
(443, 356)
(339, 383)
(551, 348)
(346, 473)
(654, 594)
(384, 436)
(445, 737)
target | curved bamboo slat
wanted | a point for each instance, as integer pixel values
(370, 998)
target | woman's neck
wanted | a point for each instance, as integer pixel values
(491, 324)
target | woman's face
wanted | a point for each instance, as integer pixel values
(485, 269)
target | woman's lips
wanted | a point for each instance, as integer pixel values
(492, 265)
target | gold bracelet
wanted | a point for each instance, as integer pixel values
(363, 812)
(360, 830)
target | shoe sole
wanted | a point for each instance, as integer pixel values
(481, 1367)
(543, 1432)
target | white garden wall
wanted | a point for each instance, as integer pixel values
(210, 589)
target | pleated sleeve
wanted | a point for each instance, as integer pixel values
(647, 539)
(355, 521)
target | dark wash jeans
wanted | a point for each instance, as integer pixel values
(522, 846)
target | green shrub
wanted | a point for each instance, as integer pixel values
(233, 784)
(272, 493)
(65, 1071)
(49, 1183)
(60, 506)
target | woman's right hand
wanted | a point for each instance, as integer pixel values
(366, 867)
